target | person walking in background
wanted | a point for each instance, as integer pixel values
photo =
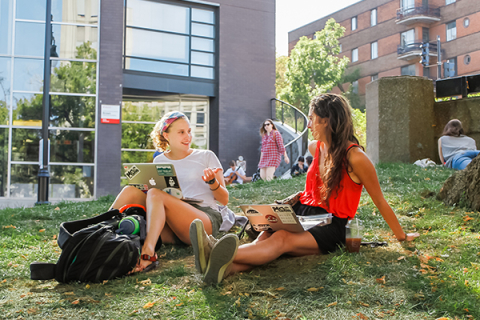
(299, 168)
(272, 150)
(455, 149)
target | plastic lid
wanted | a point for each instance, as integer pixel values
(128, 225)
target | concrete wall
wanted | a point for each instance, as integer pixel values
(400, 119)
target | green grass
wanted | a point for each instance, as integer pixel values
(436, 276)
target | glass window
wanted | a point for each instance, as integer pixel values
(373, 17)
(354, 23)
(156, 66)
(72, 111)
(355, 86)
(137, 135)
(375, 77)
(28, 74)
(407, 37)
(203, 30)
(374, 50)
(467, 59)
(451, 31)
(408, 70)
(29, 39)
(143, 111)
(340, 45)
(72, 146)
(31, 10)
(203, 44)
(71, 181)
(203, 15)
(25, 144)
(158, 16)
(73, 76)
(4, 89)
(355, 55)
(206, 59)
(78, 11)
(23, 181)
(136, 157)
(27, 109)
(466, 22)
(157, 45)
(6, 16)
(3, 161)
(447, 2)
(202, 72)
(408, 4)
(75, 42)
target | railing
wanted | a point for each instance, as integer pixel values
(291, 116)
(415, 46)
(403, 13)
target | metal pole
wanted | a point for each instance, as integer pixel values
(439, 59)
(44, 173)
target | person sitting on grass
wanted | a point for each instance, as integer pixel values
(299, 168)
(334, 184)
(199, 172)
(235, 174)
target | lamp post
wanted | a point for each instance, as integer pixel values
(44, 172)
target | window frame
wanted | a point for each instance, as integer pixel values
(354, 55)
(354, 23)
(372, 51)
(451, 33)
(373, 17)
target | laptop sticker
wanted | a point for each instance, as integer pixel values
(252, 212)
(132, 172)
(285, 213)
(271, 219)
(262, 227)
(139, 186)
(172, 182)
(164, 170)
(174, 192)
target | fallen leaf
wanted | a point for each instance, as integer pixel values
(10, 226)
(401, 258)
(312, 289)
(57, 208)
(87, 286)
(146, 282)
(280, 288)
(108, 294)
(69, 293)
(467, 218)
(148, 305)
(41, 230)
(364, 304)
(179, 304)
(381, 280)
(76, 302)
(54, 237)
(332, 304)
(23, 257)
(362, 316)
(4, 280)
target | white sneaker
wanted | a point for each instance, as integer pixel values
(221, 257)
(202, 244)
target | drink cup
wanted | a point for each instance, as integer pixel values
(353, 235)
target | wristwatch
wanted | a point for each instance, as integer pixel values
(211, 181)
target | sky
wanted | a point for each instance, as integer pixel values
(292, 14)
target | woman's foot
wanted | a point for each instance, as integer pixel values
(146, 263)
(221, 257)
(202, 244)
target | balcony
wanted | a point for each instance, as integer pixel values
(413, 50)
(422, 14)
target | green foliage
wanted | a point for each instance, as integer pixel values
(280, 81)
(360, 125)
(314, 66)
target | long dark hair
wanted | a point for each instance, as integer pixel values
(453, 128)
(262, 128)
(337, 110)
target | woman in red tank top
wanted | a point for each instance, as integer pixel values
(335, 179)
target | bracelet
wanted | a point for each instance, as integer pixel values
(211, 181)
(216, 187)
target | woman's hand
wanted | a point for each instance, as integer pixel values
(209, 173)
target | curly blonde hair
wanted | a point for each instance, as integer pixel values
(158, 139)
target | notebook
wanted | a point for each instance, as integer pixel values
(273, 217)
(162, 176)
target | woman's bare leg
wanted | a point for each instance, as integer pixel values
(169, 214)
(263, 173)
(269, 249)
(129, 195)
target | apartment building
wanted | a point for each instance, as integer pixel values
(384, 38)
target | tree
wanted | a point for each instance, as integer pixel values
(314, 66)
(280, 69)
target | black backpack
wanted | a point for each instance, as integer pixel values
(92, 250)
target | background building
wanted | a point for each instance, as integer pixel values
(117, 67)
(384, 37)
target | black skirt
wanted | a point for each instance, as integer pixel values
(329, 237)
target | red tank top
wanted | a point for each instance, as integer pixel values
(343, 204)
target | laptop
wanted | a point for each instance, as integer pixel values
(162, 176)
(273, 217)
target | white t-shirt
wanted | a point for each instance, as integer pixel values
(189, 173)
(240, 171)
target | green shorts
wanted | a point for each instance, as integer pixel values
(214, 216)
